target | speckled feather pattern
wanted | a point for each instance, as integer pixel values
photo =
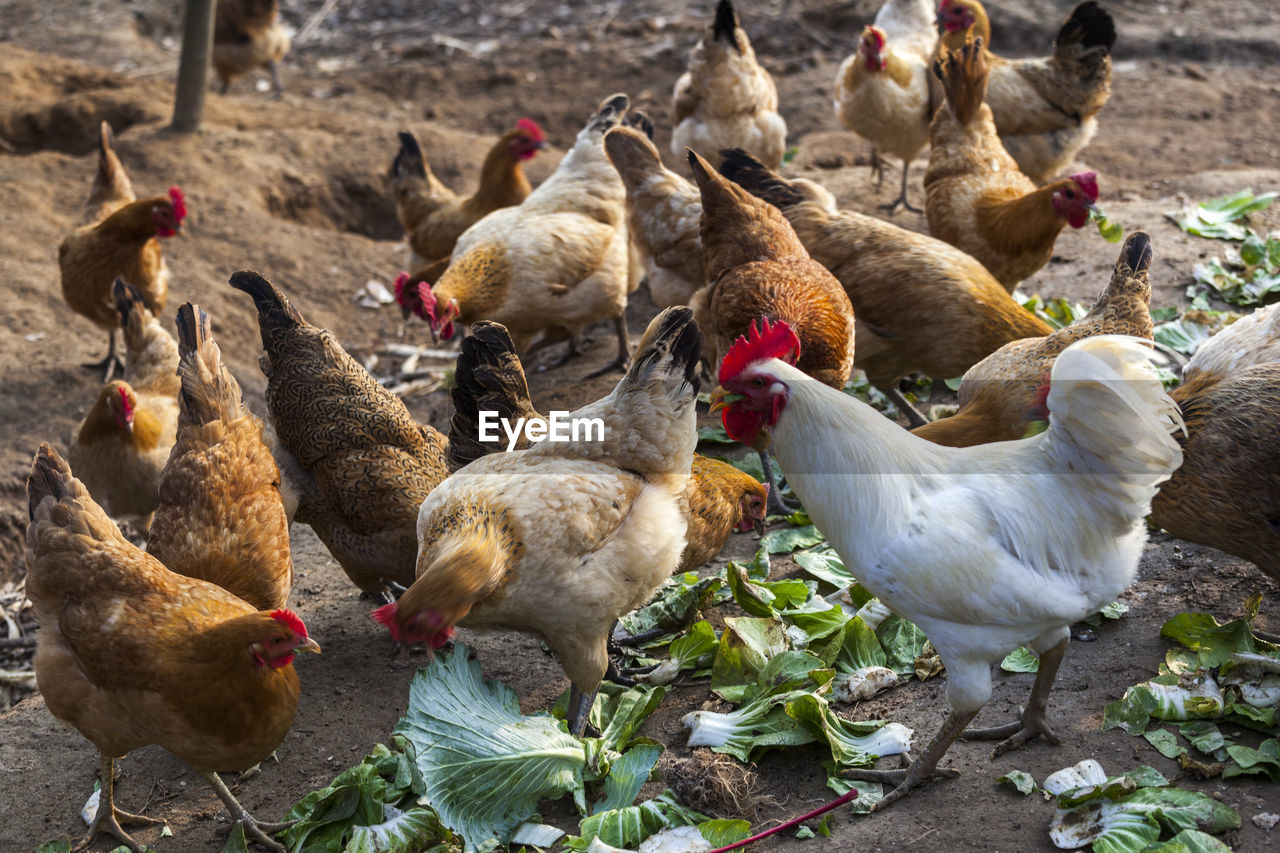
(371, 464)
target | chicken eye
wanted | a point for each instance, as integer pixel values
(758, 382)
(1071, 193)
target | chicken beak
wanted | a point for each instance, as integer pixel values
(722, 399)
(309, 646)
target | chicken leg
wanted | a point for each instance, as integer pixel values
(253, 829)
(110, 818)
(624, 350)
(901, 200)
(1032, 721)
(774, 504)
(922, 769)
(111, 362)
(277, 90)
(914, 417)
(579, 710)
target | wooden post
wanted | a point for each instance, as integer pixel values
(193, 67)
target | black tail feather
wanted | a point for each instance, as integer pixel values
(758, 179)
(274, 308)
(676, 332)
(726, 23)
(488, 377)
(127, 298)
(1090, 25)
(409, 160)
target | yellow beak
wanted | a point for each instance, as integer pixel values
(718, 399)
(309, 646)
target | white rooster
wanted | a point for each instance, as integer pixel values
(986, 548)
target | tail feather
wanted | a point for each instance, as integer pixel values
(488, 378)
(737, 227)
(111, 183)
(1111, 418)
(725, 24)
(151, 354)
(632, 154)
(274, 308)
(50, 476)
(758, 179)
(135, 316)
(409, 161)
(964, 75)
(641, 122)
(209, 391)
(1127, 297)
(610, 114)
(1090, 26)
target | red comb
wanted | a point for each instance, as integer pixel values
(531, 129)
(775, 340)
(179, 202)
(290, 620)
(946, 4)
(1088, 182)
(401, 281)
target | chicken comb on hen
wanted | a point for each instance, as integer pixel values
(531, 129)
(1087, 181)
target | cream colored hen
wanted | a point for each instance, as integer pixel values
(563, 538)
(550, 266)
(726, 99)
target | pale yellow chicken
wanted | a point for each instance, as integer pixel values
(563, 538)
(124, 442)
(727, 99)
(664, 210)
(884, 92)
(550, 266)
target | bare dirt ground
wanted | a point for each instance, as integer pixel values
(294, 190)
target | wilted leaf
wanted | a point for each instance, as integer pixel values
(1217, 218)
(1020, 780)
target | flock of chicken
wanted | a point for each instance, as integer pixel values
(985, 539)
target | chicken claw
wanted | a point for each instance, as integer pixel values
(254, 830)
(921, 770)
(1031, 722)
(110, 819)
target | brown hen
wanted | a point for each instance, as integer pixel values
(348, 448)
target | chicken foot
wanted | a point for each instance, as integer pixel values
(1032, 722)
(901, 200)
(877, 166)
(111, 361)
(277, 90)
(109, 818)
(922, 769)
(624, 350)
(253, 829)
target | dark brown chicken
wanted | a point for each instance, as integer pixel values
(358, 462)
(998, 394)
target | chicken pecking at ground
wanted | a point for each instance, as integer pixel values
(975, 197)
(347, 447)
(758, 267)
(919, 304)
(221, 517)
(718, 498)
(434, 216)
(664, 211)
(118, 237)
(1046, 109)
(549, 267)
(998, 394)
(727, 99)
(247, 34)
(940, 534)
(885, 93)
(131, 654)
(124, 442)
(1227, 493)
(563, 538)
